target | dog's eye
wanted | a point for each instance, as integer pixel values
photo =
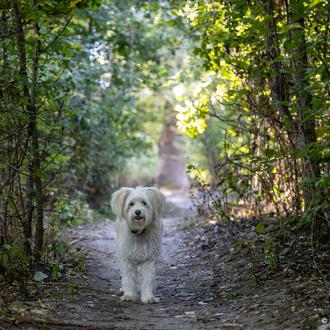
(131, 204)
(144, 203)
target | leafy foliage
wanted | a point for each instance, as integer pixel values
(71, 112)
(264, 73)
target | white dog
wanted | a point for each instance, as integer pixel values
(139, 230)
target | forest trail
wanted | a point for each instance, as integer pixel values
(200, 286)
(98, 94)
(185, 299)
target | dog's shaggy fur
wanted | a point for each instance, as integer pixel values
(139, 230)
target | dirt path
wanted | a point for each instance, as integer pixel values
(184, 301)
(199, 285)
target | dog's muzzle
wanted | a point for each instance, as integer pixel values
(137, 232)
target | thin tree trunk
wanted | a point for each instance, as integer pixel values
(280, 90)
(279, 84)
(5, 148)
(27, 218)
(39, 232)
(306, 116)
(35, 196)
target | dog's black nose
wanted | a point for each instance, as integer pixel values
(137, 212)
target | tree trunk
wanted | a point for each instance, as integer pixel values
(28, 217)
(39, 231)
(35, 197)
(172, 167)
(306, 117)
(281, 92)
(279, 84)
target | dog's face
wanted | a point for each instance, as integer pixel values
(138, 210)
(139, 207)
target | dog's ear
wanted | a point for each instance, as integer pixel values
(157, 199)
(118, 201)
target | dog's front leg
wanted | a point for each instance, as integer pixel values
(129, 281)
(148, 282)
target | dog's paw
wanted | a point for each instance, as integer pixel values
(128, 297)
(150, 300)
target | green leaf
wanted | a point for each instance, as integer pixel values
(260, 228)
(4, 260)
(314, 4)
(229, 295)
(39, 276)
(269, 153)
